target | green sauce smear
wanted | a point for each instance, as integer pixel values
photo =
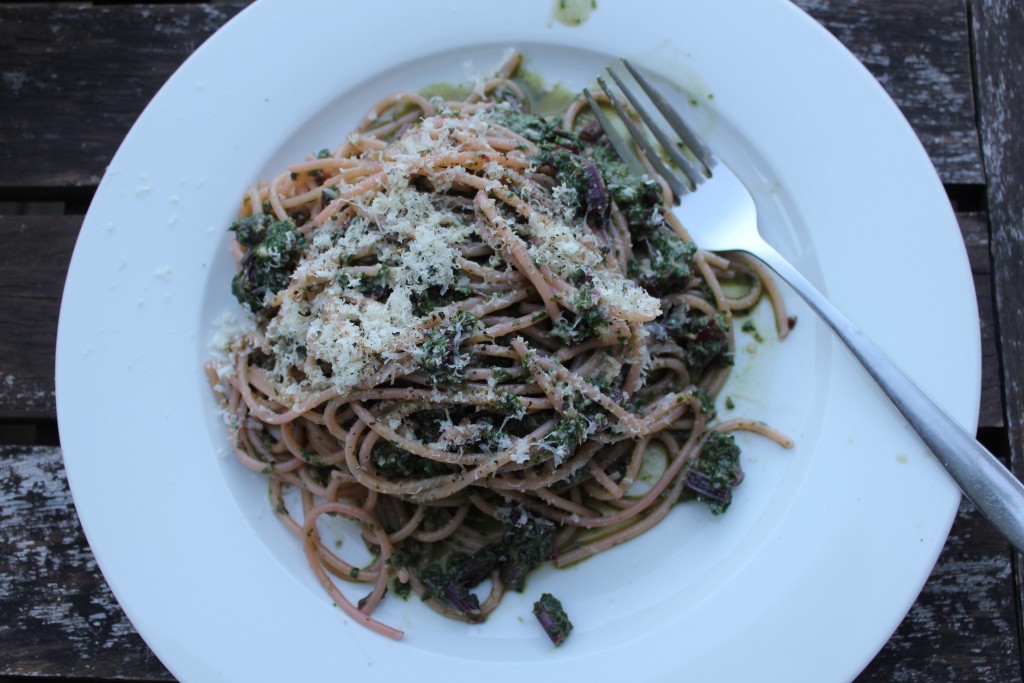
(543, 100)
(573, 12)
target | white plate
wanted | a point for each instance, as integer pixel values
(825, 547)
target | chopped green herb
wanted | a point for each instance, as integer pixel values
(312, 458)
(546, 132)
(402, 590)
(502, 375)
(394, 463)
(433, 298)
(704, 339)
(707, 404)
(570, 172)
(717, 472)
(664, 262)
(638, 197)
(750, 328)
(580, 418)
(510, 405)
(272, 253)
(586, 319)
(441, 356)
(377, 286)
(406, 554)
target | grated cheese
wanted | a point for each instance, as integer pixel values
(226, 330)
(325, 320)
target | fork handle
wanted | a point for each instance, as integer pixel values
(983, 479)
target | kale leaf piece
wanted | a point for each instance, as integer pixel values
(272, 251)
(527, 542)
(586, 164)
(717, 472)
(552, 618)
(447, 587)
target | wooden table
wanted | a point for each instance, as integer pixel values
(73, 78)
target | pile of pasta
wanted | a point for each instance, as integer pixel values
(464, 342)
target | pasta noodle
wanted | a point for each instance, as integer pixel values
(472, 335)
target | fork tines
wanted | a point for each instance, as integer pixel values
(695, 166)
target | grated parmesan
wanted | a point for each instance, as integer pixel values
(329, 322)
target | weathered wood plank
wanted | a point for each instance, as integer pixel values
(974, 228)
(57, 616)
(999, 61)
(962, 627)
(919, 50)
(75, 78)
(100, 66)
(33, 264)
(38, 249)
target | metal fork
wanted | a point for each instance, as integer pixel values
(720, 215)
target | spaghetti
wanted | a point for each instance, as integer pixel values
(471, 329)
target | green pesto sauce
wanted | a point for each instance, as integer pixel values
(573, 12)
(553, 102)
(544, 100)
(447, 91)
(652, 467)
(737, 288)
